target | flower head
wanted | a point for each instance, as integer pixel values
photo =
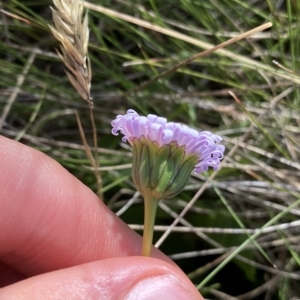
(164, 153)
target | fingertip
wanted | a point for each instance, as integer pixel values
(50, 220)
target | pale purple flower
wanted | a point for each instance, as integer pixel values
(204, 144)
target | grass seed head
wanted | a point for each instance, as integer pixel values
(70, 28)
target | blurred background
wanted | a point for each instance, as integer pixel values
(135, 41)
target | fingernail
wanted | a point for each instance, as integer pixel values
(159, 288)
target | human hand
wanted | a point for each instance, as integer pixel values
(58, 241)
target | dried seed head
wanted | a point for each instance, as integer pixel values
(71, 30)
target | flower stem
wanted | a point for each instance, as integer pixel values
(150, 207)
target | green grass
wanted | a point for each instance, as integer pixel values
(258, 185)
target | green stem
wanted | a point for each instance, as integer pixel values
(150, 207)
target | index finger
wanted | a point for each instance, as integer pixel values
(50, 220)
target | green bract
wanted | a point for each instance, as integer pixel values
(160, 171)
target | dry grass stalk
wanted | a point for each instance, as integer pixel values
(71, 29)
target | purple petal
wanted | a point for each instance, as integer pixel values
(204, 144)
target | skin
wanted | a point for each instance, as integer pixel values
(59, 241)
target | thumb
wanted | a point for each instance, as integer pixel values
(130, 278)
